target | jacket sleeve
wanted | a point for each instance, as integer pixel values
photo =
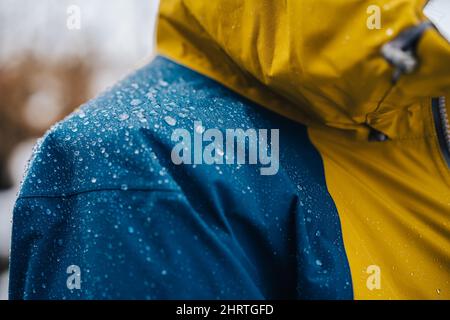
(110, 244)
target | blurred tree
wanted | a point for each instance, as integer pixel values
(27, 89)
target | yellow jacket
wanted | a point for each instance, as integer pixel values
(319, 62)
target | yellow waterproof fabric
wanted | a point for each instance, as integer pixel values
(318, 62)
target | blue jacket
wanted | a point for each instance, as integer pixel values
(105, 213)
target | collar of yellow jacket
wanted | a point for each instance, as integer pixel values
(316, 62)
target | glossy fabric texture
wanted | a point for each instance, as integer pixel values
(102, 193)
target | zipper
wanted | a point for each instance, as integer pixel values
(442, 125)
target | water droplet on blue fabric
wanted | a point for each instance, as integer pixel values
(135, 102)
(124, 117)
(170, 121)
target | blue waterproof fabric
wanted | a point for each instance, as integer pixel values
(103, 194)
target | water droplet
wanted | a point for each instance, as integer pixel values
(170, 121)
(124, 187)
(163, 83)
(130, 229)
(94, 180)
(318, 262)
(124, 117)
(135, 102)
(164, 272)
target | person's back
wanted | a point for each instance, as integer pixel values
(106, 192)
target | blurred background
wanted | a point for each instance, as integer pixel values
(55, 55)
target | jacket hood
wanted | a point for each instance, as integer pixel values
(317, 62)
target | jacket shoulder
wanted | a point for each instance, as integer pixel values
(109, 142)
(122, 138)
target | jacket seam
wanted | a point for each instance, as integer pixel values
(76, 193)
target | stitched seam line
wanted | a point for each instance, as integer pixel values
(76, 193)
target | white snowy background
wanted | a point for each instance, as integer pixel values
(118, 34)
